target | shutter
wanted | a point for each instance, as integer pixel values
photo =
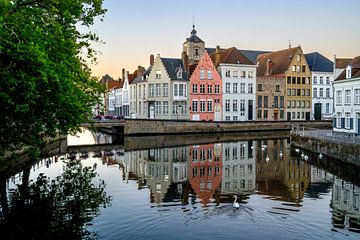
(342, 122)
(334, 123)
(351, 123)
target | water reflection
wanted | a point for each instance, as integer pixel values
(57, 208)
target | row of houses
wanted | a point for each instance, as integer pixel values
(228, 84)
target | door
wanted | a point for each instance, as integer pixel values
(288, 116)
(250, 110)
(276, 115)
(151, 111)
(307, 116)
(317, 111)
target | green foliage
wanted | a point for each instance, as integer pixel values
(55, 209)
(46, 87)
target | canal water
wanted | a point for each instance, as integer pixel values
(181, 192)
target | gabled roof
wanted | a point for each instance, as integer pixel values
(355, 70)
(253, 54)
(173, 65)
(319, 63)
(231, 56)
(280, 61)
(342, 62)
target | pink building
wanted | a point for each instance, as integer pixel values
(205, 91)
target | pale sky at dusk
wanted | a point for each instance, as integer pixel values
(134, 29)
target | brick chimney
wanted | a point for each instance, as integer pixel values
(217, 55)
(185, 60)
(152, 59)
(123, 74)
(269, 65)
(140, 71)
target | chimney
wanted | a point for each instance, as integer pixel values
(185, 60)
(269, 65)
(123, 74)
(217, 55)
(140, 71)
(151, 59)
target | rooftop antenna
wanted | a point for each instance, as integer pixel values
(289, 43)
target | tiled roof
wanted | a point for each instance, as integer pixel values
(173, 65)
(319, 63)
(142, 78)
(253, 54)
(355, 69)
(231, 56)
(280, 61)
(342, 62)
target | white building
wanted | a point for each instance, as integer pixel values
(347, 99)
(238, 75)
(322, 77)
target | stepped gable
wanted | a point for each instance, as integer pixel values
(173, 65)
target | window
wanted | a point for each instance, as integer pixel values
(347, 96)
(302, 92)
(182, 90)
(217, 89)
(321, 92)
(293, 68)
(327, 107)
(282, 113)
(165, 89)
(321, 80)
(158, 107)
(179, 74)
(210, 106)
(308, 81)
(338, 97)
(158, 89)
(277, 88)
(151, 90)
(235, 74)
(298, 92)
(235, 118)
(195, 105)
(242, 87)
(289, 92)
(227, 87)
(250, 88)
(242, 105)
(139, 91)
(265, 114)
(227, 73)
(260, 87)
(259, 114)
(315, 80)
(315, 93)
(227, 105)
(202, 106)
(259, 101)
(210, 74)
(140, 108)
(202, 74)
(298, 80)
(276, 101)
(298, 68)
(165, 107)
(235, 105)
(298, 104)
(328, 80)
(282, 101)
(243, 74)
(357, 96)
(235, 87)
(266, 101)
(307, 92)
(303, 80)
(157, 74)
(288, 80)
(293, 104)
(227, 118)
(209, 89)
(298, 57)
(250, 74)
(202, 88)
(288, 104)
(293, 92)
(195, 88)
(303, 68)
(293, 80)
(176, 92)
(338, 118)
(328, 92)
(347, 120)
(196, 52)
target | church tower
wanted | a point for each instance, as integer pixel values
(193, 48)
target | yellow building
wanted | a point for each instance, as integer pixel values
(290, 64)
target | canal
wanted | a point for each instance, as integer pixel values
(186, 191)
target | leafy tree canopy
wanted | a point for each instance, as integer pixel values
(46, 86)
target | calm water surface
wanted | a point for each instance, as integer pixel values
(187, 192)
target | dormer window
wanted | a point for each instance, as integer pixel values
(157, 74)
(348, 72)
(179, 74)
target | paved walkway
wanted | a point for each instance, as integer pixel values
(329, 135)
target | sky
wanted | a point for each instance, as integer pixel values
(134, 29)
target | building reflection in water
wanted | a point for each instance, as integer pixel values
(346, 205)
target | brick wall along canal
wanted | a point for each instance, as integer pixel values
(184, 192)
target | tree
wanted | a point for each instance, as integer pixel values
(46, 87)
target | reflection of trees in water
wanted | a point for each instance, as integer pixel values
(55, 209)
